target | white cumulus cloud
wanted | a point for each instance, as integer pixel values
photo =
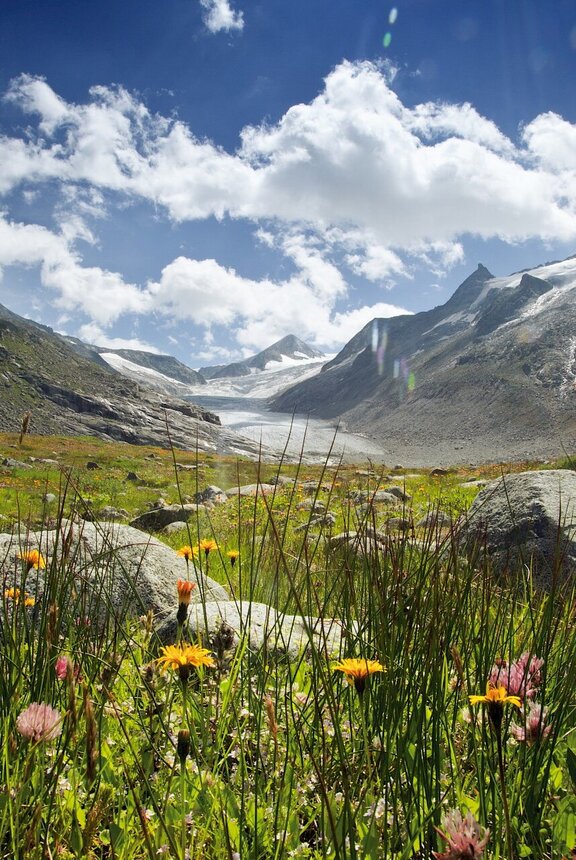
(219, 15)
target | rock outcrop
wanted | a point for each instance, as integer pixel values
(528, 518)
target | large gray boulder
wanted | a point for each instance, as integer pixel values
(120, 568)
(528, 519)
(262, 625)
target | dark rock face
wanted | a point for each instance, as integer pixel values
(506, 305)
(158, 518)
(530, 519)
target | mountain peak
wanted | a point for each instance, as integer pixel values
(469, 290)
(289, 348)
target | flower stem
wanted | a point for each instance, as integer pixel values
(504, 794)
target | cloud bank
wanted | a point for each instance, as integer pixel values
(354, 184)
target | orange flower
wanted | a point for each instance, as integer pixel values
(495, 696)
(207, 544)
(185, 589)
(33, 558)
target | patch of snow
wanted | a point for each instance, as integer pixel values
(123, 365)
(290, 361)
(541, 302)
(459, 316)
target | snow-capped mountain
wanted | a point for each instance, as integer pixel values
(489, 375)
(288, 351)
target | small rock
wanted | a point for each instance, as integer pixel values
(15, 464)
(435, 519)
(399, 493)
(327, 519)
(252, 490)
(312, 487)
(91, 465)
(310, 505)
(132, 476)
(281, 481)
(212, 494)
(400, 524)
(262, 625)
(156, 519)
(367, 539)
(176, 526)
(111, 514)
(49, 498)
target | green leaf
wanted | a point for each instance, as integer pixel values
(116, 836)
(571, 765)
(76, 841)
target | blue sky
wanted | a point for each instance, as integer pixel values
(201, 177)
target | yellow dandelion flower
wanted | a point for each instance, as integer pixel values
(496, 696)
(183, 658)
(14, 594)
(189, 552)
(495, 699)
(33, 558)
(357, 671)
(233, 555)
(207, 544)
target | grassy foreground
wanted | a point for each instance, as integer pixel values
(232, 754)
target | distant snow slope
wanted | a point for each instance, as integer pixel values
(264, 383)
(148, 376)
(261, 384)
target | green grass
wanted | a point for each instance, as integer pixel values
(286, 759)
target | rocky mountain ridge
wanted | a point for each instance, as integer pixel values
(70, 394)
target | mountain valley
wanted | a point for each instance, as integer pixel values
(488, 376)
